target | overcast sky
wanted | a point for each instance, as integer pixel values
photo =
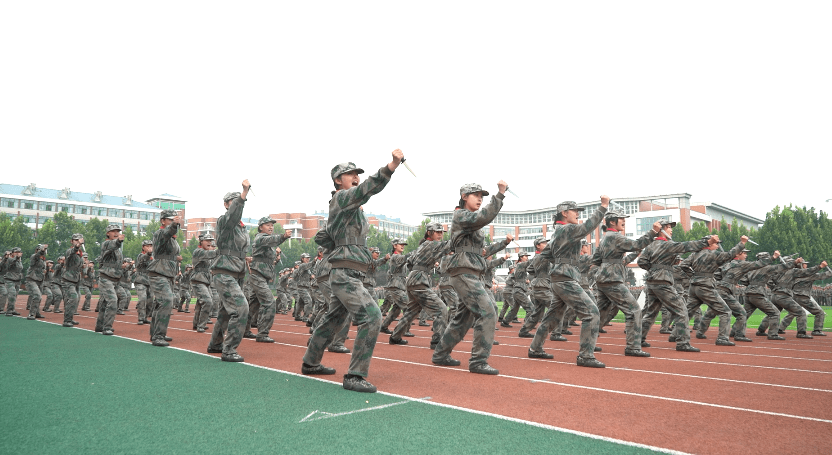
(729, 101)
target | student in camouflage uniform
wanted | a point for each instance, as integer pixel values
(563, 252)
(588, 272)
(70, 277)
(57, 293)
(519, 289)
(229, 274)
(262, 273)
(508, 295)
(612, 295)
(446, 291)
(185, 290)
(303, 280)
(34, 281)
(346, 235)
(142, 282)
(542, 296)
(14, 274)
(87, 278)
(322, 272)
(703, 287)
(3, 291)
(396, 286)
(293, 290)
(466, 268)
(201, 280)
(757, 296)
(728, 277)
(123, 288)
(47, 286)
(420, 293)
(802, 289)
(111, 270)
(783, 295)
(370, 281)
(162, 271)
(283, 291)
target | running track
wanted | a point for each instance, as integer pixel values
(764, 396)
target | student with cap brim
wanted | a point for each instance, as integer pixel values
(519, 289)
(34, 281)
(466, 267)
(262, 305)
(70, 277)
(87, 282)
(201, 282)
(803, 296)
(142, 282)
(396, 287)
(541, 289)
(110, 272)
(13, 275)
(729, 276)
(346, 231)
(783, 296)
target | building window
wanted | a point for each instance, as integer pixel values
(46, 206)
(98, 211)
(114, 213)
(65, 208)
(646, 224)
(82, 210)
(8, 203)
(28, 205)
(132, 214)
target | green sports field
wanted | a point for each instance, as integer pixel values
(74, 391)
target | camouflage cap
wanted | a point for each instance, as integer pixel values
(113, 227)
(569, 205)
(510, 264)
(374, 250)
(540, 240)
(584, 242)
(664, 223)
(126, 260)
(763, 255)
(16, 250)
(147, 242)
(343, 168)
(265, 220)
(297, 262)
(436, 227)
(678, 258)
(522, 253)
(745, 251)
(77, 236)
(167, 214)
(49, 261)
(469, 188)
(398, 241)
(321, 249)
(230, 196)
(41, 247)
(61, 258)
(613, 214)
(190, 266)
(305, 255)
(85, 256)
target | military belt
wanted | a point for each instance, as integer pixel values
(565, 261)
(167, 257)
(469, 249)
(346, 264)
(350, 240)
(461, 270)
(228, 252)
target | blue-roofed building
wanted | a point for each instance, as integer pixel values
(38, 205)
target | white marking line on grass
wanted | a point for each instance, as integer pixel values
(328, 415)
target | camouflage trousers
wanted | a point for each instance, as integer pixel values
(295, 300)
(35, 295)
(3, 293)
(124, 297)
(661, 294)
(84, 290)
(697, 295)
(422, 298)
(451, 299)
(772, 319)
(50, 297)
(542, 298)
(519, 299)
(12, 289)
(57, 297)
(398, 301)
(340, 335)
(215, 299)
(204, 303)
(476, 309)
(233, 314)
(508, 303)
(321, 303)
(143, 307)
(611, 298)
(349, 297)
(71, 299)
(570, 294)
(786, 302)
(263, 301)
(163, 299)
(813, 309)
(282, 301)
(569, 315)
(185, 298)
(304, 304)
(736, 309)
(387, 301)
(107, 304)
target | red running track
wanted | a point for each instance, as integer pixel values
(760, 396)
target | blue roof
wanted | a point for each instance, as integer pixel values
(74, 196)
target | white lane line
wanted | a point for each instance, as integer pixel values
(328, 415)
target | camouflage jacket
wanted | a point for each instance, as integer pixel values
(609, 256)
(111, 257)
(757, 279)
(347, 225)
(37, 265)
(467, 237)
(88, 276)
(586, 270)
(539, 268)
(658, 257)
(786, 281)
(4, 265)
(397, 274)
(304, 276)
(731, 273)
(424, 259)
(564, 248)
(232, 240)
(141, 268)
(704, 263)
(57, 271)
(125, 280)
(509, 280)
(283, 284)
(803, 286)
(370, 279)
(681, 280)
(14, 269)
(202, 265)
(488, 274)
(72, 265)
(265, 255)
(47, 277)
(521, 275)
(323, 268)
(444, 276)
(496, 247)
(292, 282)
(165, 251)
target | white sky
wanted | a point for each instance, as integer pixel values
(729, 101)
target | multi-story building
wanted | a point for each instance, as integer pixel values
(38, 205)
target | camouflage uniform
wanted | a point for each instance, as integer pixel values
(3, 290)
(563, 253)
(518, 292)
(142, 282)
(110, 272)
(201, 282)
(14, 273)
(542, 295)
(508, 296)
(322, 276)
(34, 282)
(283, 293)
(703, 288)
(70, 277)
(783, 298)
(87, 277)
(420, 293)
(756, 294)
(47, 287)
(262, 273)
(588, 272)
(57, 292)
(729, 276)
(123, 288)
(303, 280)
(466, 268)
(396, 287)
(229, 273)
(802, 289)
(446, 291)
(162, 270)
(185, 290)
(293, 291)
(347, 229)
